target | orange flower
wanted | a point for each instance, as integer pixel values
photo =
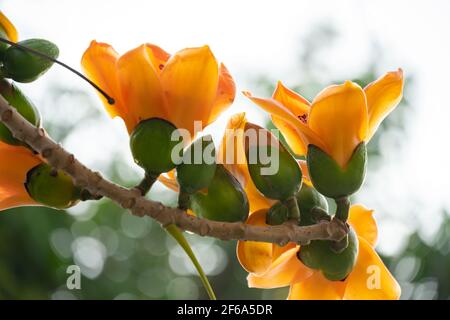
(338, 119)
(8, 28)
(147, 82)
(15, 162)
(270, 266)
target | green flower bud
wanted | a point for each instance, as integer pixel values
(24, 66)
(281, 180)
(151, 145)
(320, 255)
(198, 167)
(51, 187)
(277, 214)
(224, 200)
(332, 180)
(25, 107)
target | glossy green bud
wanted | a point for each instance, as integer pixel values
(319, 255)
(224, 200)
(24, 66)
(307, 199)
(281, 183)
(277, 214)
(151, 145)
(332, 180)
(52, 188)
(198, 167)
(20, 102)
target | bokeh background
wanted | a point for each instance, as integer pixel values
(308, 45)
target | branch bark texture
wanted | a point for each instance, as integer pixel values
(132, 199)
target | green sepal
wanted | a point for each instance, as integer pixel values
(24, 66)
(224, 200)
(277, 214)
(319, 255)
(151, 145)
(281, 185)
(197, 171)
(307, 199)
(22, 104)
(51, 187)
(332, 180)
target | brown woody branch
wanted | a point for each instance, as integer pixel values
(132, 200)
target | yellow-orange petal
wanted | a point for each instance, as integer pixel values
(339, 116)
(157, 56)
(99, 65)
(189, 80)
(383, 95)
(284, 271)
(370, 279)
(317, 287)
(305, 173)
(298, 105)
(226, 92)
(15, 162)
(291, 135)
(16, 201)
(276, 109)
(140, 86)
(8, 27)
(232, 155)
(364, 224)
(255, 257)
(168, 179)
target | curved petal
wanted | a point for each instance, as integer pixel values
(305, 173)
(291, 135)
(285, 270)
(232, 155)
(276, 109)
(15, 162)
(364, 224)
(99, 65)
(298, 105)
(226, 92)
(339, 116)
(255, 257)
(168, 179)
(8, 27)
(316, 287)
(16, 201)
(157, 56)
(370, 279)
(139, 84)
(189, 80)
(383, 95)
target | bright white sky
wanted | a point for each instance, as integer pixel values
(262, 37)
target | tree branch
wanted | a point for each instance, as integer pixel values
(132, 200)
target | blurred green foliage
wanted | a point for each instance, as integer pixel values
(126, 257)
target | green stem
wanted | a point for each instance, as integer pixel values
(318, 214)
(179, 237)
(146, 184)
(292, 205)
(342, 208)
